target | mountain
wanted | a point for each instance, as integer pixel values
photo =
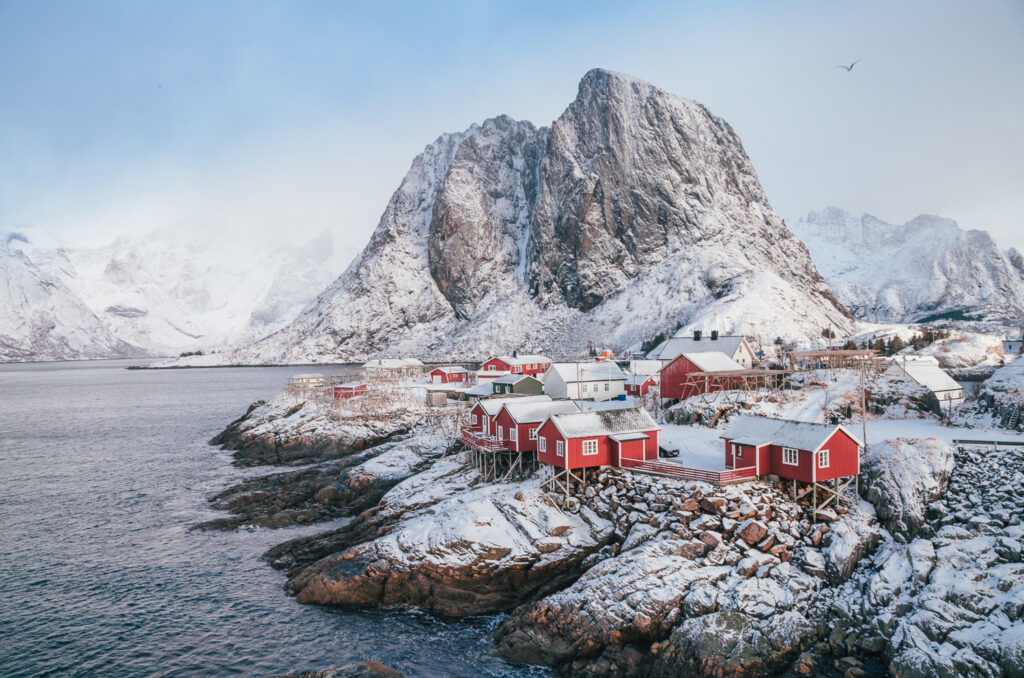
(928, 269)
(635, 212)
(43, 319)
(186, 289)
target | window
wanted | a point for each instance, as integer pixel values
(584, 387)
(542, 444)
(606, 385)
(476, 420)
(737, 451)
(790, 456)
(589, 447)
(513, 433)
(823, 459)
(533, 433)
(501, 433)
(490, 367)
(560, 448)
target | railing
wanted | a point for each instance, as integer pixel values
(678, 471)
(481, 441)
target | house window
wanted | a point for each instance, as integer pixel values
(533, 433)
(737, 450)
(606, 386)
(542, 444)
(790, 456)
(490, 367)
(513, 433)
(476, 420)
(560, 448)
(501, 433)
(589, 447)
(584, 387)
(823, 459)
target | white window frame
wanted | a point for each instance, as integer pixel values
(476, 420)
(542, 444)
(491, 368)
(513, 434)
(591, 445)
(737, 451)
(606, 386)
(501, 433)
(786, 452)
(583, 388)
(533, 433)
(823, 459)
(559, 448)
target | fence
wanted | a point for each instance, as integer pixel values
(678, 471)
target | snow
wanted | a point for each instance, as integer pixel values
(713, 361)
(590, 371)
(604, 422)
(699, 447)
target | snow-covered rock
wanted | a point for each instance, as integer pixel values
(901, 477)
(636, 211)
(926, 269)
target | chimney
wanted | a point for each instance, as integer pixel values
(714, 335)
(696, 335)
(515, 354)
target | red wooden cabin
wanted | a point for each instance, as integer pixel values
(639, 384)
(481, 416)
(517, 364)
(517, 421)
(598, 438)
(674, 374)
(449, 375)
(795, 450)
(349, 389)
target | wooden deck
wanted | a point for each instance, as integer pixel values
(679, 471)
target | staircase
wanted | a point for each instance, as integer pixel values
(1014, 418)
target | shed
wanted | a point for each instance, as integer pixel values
(674, 374)
(597, 438)
(517, 383)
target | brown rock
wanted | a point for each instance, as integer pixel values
(751, 531)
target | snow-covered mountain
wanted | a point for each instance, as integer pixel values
(927, 269)
(636, 211)
(42, 319)
(178, 289)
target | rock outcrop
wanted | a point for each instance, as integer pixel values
(901, 477)
(634, 203)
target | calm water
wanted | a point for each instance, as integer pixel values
(102, 470)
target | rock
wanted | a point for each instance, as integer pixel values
(639, 533)
(712, 539)
(714, 505)
(751, 531)
(810, 561)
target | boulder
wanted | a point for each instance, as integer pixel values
(751, 531)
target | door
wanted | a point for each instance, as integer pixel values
(437, 378)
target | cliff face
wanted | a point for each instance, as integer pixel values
(926, 269)
(634, 212)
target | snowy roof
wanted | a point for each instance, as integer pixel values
(675, 346)
(531, 411)
(450, 370)
(927, 373)
(491, 374)
(651, 367)
(595, 371)
(526, 359)
(352, 384)
(713, 361)
(393, 362)
(604, 422)
(803, 435)
(623, 437)
(484, 389)
(493, 405)
(512, 379)
(638, 379)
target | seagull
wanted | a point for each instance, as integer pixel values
(848, 68)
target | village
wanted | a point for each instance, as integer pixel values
(700, 406)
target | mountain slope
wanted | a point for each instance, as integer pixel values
(44, 320)
(634, 212)
(926, 269)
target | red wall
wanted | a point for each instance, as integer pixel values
(607, 449)
(447, 378)
(673, 375)
(342, 393)
(641, 390)
(844, 457)
(478, 410)
(501, 365)
(523, 443)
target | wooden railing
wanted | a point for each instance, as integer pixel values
(679, 471)
(480, 441)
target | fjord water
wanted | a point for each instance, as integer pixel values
(102, 471)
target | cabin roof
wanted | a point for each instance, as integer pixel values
(493, 405)
(528, 412)
(450, 370)
(604, 422)
(803, 435)
(713, 361)
(513, 379)
(594, 371)
(926, 371)
(638, 379)
(525, 359)
(675, 346)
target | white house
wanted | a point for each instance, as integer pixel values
(585, 381)
(649, 368)
(925, 371)
(734, 346)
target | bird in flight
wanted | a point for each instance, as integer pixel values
(848, 68)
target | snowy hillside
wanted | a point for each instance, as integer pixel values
(42, 319)
(185, 289)
(636, 211)
(927, 269)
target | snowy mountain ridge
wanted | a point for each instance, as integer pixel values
(928, 269)
(636, 211)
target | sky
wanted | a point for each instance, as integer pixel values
(294, 118)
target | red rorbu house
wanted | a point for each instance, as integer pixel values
(516, 364)
(824, 456)
(517, 421)
(639, 384)
(349, 389)
(481, 417)
(449, 375)
(676, 386)
(582, 440)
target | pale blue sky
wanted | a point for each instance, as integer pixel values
(125, 116)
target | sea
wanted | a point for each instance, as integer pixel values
(103, 470)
